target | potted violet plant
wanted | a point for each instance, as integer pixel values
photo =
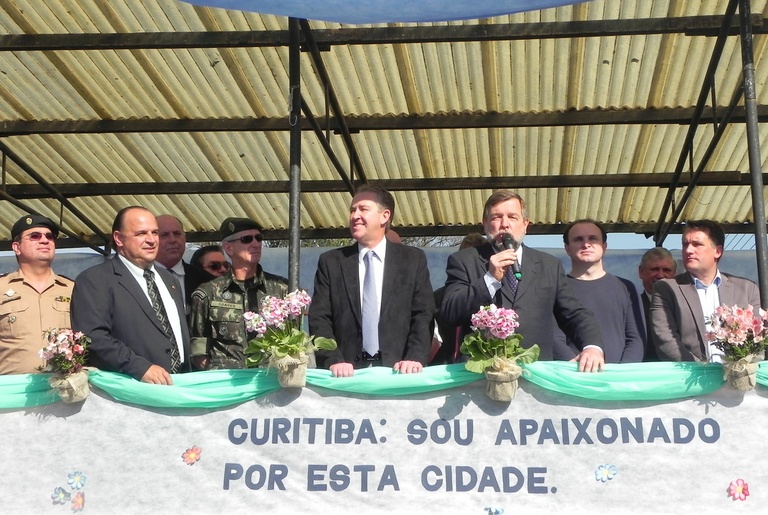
(280, 342)
(494, 349)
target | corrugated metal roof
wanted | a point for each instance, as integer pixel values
(513, 112)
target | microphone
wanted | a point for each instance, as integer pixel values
(509, 243)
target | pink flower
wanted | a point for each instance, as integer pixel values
(296, 303)
(254, 323)
(65, 352)
(737, 331)
(192, 455)
(738, 490)
(274, 311)
(78, 502)
(494, 321)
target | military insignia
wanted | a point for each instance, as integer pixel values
(231, 226)
(12, 318)
(223, 329)
(226, 295)
(28, 220)
(63, 299)
(10, 293)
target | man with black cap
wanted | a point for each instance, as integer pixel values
(219, 338)
(33, 298)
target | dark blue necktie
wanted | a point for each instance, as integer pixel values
(512, 281)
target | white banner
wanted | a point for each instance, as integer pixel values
(455, 451)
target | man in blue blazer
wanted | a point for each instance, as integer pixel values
(481, 276)
(111, 304)
(404, 305)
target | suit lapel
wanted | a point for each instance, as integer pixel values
(392, 263)
(350, 271)
(127, 281)
(726, 291)
(688, 292)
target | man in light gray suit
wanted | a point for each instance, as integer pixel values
(112, 303)
(681, 307)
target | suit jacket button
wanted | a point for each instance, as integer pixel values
(357, 359)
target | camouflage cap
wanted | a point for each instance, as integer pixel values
(232, 226)
(30, 222)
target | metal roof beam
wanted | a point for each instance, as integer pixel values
(689, 25)
(52, 191)
(647, 180)
(645, 229)
(477, 120)
(686, 152)
(338, 112)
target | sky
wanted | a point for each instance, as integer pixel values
(615, 241)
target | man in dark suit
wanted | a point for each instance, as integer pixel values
(482, 275)
(393, 331)
(656, 264)
(111, 303)
(170, 251)
(681, 306)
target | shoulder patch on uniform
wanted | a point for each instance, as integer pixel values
(198, 294)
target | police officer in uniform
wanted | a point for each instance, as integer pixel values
(33, 298)
(218, 331)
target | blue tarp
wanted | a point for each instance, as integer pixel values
(387, 11)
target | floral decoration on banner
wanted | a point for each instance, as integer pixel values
(76, 481)
(493, 344)
(78, 502)
(605, 473)
(65, 351)
(738, 332)
(277, 327)
(738, 490)
(192, 455)
(60, 495)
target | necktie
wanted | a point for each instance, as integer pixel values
(162, 316)
(512, 281)
(370, 307)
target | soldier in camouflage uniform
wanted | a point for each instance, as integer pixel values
(219, 338)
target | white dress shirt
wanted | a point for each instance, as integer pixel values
(168, 302)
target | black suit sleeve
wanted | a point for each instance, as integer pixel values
(465, 288)
(419, 342)
(321, 316)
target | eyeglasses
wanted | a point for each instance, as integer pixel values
(37, 236)
(215, 266)
(245, 240)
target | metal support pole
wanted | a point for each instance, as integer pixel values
(294, 216)
(753, 147)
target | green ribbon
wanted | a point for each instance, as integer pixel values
(220, 388)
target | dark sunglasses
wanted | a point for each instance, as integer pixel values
(37, 236)
(245, 240)
(215, 266)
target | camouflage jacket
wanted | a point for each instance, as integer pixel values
(217, 326)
